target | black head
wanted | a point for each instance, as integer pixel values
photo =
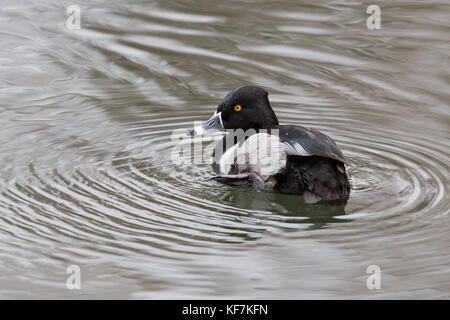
(247, 107)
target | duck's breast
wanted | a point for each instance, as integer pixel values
(261, 153)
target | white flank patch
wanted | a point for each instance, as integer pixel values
(261, 153)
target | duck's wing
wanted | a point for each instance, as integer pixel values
(302, 141)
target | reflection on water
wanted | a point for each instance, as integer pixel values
(86, 118)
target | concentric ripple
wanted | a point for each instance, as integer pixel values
(87, 176)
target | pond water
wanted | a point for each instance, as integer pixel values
(86, 177)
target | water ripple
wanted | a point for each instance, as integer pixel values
(86, 119)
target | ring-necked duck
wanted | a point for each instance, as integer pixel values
(269, 156)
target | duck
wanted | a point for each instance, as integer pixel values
(257, 151)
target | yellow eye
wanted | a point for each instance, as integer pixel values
(237, 108)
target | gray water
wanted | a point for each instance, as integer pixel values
(86, 176)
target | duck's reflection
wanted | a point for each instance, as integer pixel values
(318, 216)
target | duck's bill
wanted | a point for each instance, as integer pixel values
(213, 124)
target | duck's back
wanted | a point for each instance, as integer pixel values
(315, 166)
(303, 141)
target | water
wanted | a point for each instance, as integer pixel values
(86, 118)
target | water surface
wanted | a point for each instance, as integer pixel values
(86, 118)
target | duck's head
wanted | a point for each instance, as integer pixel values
(246, 107)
